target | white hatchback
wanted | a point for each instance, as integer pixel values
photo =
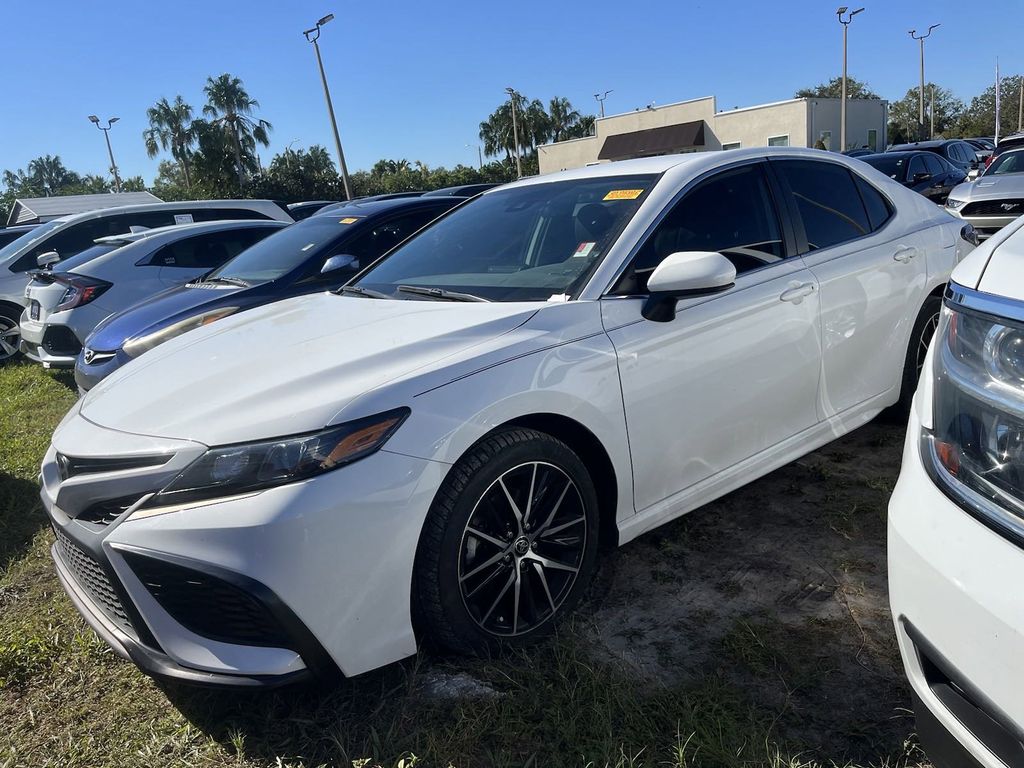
(956, 519)
(443, 447)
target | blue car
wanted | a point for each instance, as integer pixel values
(319, 253)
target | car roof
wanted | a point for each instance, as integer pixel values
(932, 143)
(184, 230)
(664, 164)
(895, 152)
(248, 205)
(376, 207)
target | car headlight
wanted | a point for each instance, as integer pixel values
(135, 347)
(954, 204)
(978, 406)
(243, 468)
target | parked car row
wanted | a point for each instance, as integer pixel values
(442, 446)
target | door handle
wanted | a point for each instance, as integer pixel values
(797, 293)
(904, 254)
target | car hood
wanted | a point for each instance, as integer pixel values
(154, 313)
(991, 188)
(1004, 271)
(288, 367)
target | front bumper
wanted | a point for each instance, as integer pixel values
(329, 560)
(986, 226)
(55, 346)
(959, 621)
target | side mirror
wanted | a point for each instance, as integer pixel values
(48, 259)
(922, 176)
(341, 261)
(683, 275)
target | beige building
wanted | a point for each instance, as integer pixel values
(697, 125)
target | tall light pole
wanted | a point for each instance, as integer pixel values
(312, 35)
(479, 155)
(842, 101)
(600, 100)
(515, 131)
(931, 114)
(920, 105)
(106, 133)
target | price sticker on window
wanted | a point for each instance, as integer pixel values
(349, 220)
(624, 194)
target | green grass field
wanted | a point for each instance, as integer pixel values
(66, 700)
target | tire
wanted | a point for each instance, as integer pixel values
(917, 349)
(483, 579)
(10, 335)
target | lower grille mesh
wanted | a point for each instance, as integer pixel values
(93, 579)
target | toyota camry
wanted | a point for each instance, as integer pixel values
(444, 447)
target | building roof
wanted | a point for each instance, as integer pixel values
(37, 210)
(653, 141)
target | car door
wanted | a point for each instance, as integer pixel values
(872, 273)
(915, 173)
(732, 374)
(941, 175)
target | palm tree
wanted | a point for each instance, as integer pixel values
(562, 117)
(170, 127)
(230, 105)
(49, 173)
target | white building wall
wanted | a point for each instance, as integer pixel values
(753, 126)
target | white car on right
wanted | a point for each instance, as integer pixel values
(956, 519)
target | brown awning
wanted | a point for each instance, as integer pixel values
(653, 141)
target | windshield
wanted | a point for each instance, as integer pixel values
(527, 243)
(1007, 163)
(890, 166)
(28, 238)
(281, 252)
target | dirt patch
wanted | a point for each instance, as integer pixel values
(780, 588)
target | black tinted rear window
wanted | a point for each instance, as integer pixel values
(829, 203)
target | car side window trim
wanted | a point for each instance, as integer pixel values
(781, 213)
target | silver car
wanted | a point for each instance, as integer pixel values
(118, 272)
(995, 198)
(70, 235)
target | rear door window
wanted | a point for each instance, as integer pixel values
(878, 208)
(916, 166)
(827, 200)
(208, 250)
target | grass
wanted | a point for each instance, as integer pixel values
(66, 700)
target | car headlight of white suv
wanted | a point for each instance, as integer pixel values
(976, 448)
(231, 470)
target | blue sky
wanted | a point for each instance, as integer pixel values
(414, 79)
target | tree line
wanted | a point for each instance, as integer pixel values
(954, 118)
(212, 152)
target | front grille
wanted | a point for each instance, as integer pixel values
(61, 340)
(93, 579)
(994, 208)
(70, 466)
(106, 512)
(207, 605)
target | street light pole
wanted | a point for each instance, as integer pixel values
(110, 152)
(931, 114)
(312, 35)
(479, 155)
(920, 104)
(842, 101)
(600, 100)
(515, 131)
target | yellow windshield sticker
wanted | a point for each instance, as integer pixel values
(624, 194)
(349, 220)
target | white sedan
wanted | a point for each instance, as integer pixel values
(444, 447)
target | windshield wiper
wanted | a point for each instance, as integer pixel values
(440, 293)
(366, 293)
(228, 281)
